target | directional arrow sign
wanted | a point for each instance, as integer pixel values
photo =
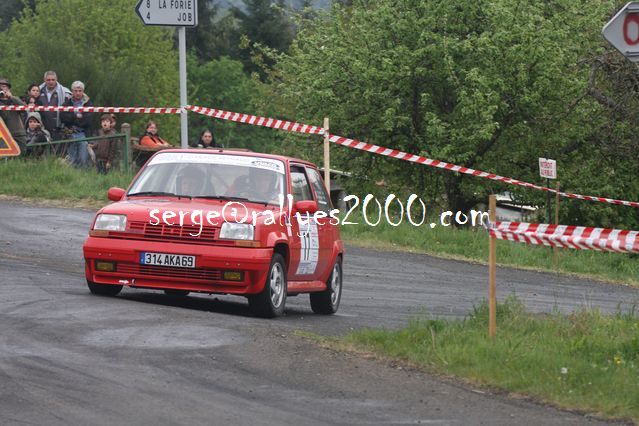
(172, 13)
(622, 31)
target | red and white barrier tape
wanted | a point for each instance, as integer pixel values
(308, 129)
(274, 123)
(576, 237)
(355, 144)
(120, 110)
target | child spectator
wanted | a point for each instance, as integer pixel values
(36, 133)
(106, 150)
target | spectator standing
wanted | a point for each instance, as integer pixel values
(32, 96)
(77, 124)
(151, 139)
(206, 140)
(13, 119)
(117, 148)
(53, 94)
(106, 149)
(36, 133)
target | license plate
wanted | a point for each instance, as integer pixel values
(165, 259)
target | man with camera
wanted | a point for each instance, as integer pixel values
(13, 119)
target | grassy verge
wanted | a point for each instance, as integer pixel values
(585, 361)
(53, 179)
(472, 244)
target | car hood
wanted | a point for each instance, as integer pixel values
(153, 209)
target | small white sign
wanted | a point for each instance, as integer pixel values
(172, 13)
(622, 31)
(547, 168)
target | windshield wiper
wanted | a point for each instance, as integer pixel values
(221, 197)
(166, 194)
(224, 197)
(152, 193)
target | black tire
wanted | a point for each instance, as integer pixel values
(104, 289)
(327, 302)
(176, 293)
(271, 301)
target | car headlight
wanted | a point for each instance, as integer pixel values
(236, 231)
(110, 222)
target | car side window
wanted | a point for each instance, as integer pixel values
(299, 185)
(323, 201)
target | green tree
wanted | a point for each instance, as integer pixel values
(491, 85)
(222, 84)
(11, 9)
(216, 34)
(263, 22)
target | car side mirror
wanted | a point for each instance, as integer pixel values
(115, 194)
(306, 206)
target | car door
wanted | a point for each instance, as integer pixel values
(327, 231)
(305, 243)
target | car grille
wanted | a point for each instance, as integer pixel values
(167, 271)
(162, 232)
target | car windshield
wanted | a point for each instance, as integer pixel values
(204, 175)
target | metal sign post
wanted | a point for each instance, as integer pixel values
(173, 13)
(184, 130)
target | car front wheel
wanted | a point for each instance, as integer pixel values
(271, 301)
(104, 289)
(326, 302)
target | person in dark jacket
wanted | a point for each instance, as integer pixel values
(206, 140)
(36, 133)
(77, 124)
(13, 119)
(106, 150)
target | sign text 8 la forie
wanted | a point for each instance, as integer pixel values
(547, 168)
(173, 13)
(622, 31)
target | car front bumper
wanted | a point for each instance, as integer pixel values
(211, 262)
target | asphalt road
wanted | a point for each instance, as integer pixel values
(68, 357)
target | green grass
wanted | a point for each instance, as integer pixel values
(586, 361)
(52, 179)
(472, 244)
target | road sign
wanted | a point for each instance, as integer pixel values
(622, 31)
(171, 13)
(547, 168)
(8, 146)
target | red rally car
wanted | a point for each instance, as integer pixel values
(224, 222)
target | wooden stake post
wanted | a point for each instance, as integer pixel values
(327, 158)
(492, 272)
